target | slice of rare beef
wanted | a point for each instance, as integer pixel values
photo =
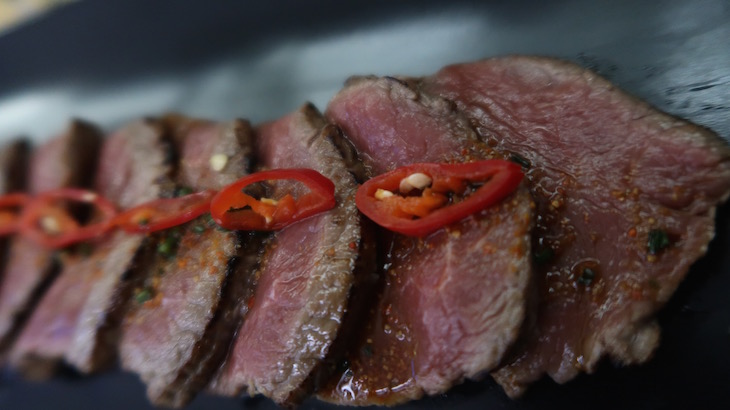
(625, 197)
(365, 286)
(62, 162)
(183, 317)
(14, 166)
(78, 318)
(13, 175)
(306, 272)
(452, 302)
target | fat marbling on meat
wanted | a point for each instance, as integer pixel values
(625, 195)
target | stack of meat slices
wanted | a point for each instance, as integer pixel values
(172, 303)
(13, 165)
(62, 162)
(77, 319)
(618, 201)
(307, 270)
(184, 310)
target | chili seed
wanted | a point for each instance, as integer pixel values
(382, 194)
(416, 180)
(50, 225)
(269, 201)
(218, 162)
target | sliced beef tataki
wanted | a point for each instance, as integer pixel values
(77, 320)
(14, 166)
(183, 317)
(62, 162)
(452, 302)
(625, 195)
(306, 271)
(14, 158)
(13, 175)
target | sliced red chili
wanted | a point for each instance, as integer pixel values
(446, 194)
(164, 213)
(10, 207)
(232, 208)
(46, 222)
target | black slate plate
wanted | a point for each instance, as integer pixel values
(112, 61)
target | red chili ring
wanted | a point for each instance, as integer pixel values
(9, 221)
(498, 179)
(233, 209)
(164, 213)
(35, 209)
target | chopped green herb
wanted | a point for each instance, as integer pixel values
(85, 249)
(143, 295)
(658, 240)
(60, 255)
(182, 191)
(543, 256)
(586, 278)
(198, 229)
(207, 219)
(168, 245)
(164, 248)
(143, 222)
(212, 224)
(520, 160)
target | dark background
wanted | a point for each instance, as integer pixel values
(113, 61)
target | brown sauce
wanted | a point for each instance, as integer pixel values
(380, 366)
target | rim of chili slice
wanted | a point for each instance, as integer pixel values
(68, 230)
(9, 220)
(164, 213)
(231, 208)
(498, 179)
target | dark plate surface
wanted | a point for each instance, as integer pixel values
(113, 61)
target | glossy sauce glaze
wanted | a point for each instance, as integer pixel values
(384, 363)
